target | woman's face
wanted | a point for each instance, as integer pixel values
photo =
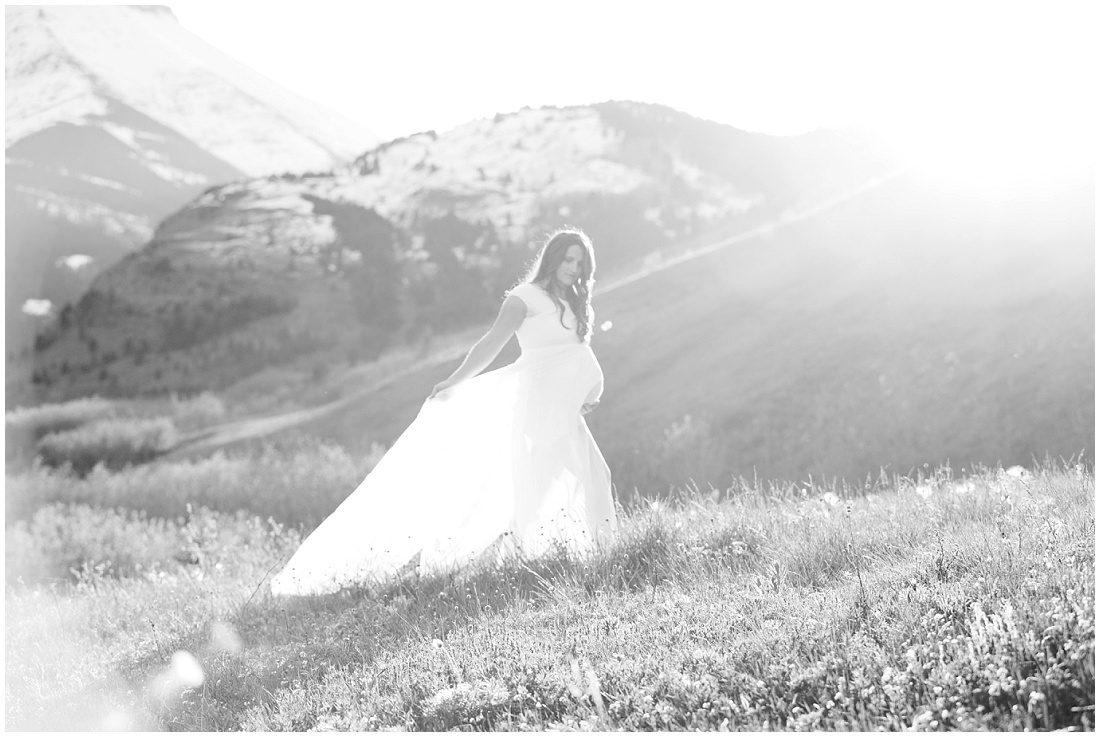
(570, 267)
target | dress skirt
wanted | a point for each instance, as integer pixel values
(504, 461)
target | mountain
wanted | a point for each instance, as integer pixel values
(421, 235)
(915, 323)
(115, 117)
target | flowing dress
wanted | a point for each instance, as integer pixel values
(504, 461)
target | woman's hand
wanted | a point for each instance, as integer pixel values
(589, 406)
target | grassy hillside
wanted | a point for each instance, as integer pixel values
(418, 237)
(913, 324)
(933, 601)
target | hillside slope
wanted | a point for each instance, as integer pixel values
(930, 602)
(116, 116)
(417, 237)
(915, 323)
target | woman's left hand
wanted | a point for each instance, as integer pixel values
(589, 406)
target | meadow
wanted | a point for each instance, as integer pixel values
(137, 598)
(868, 345)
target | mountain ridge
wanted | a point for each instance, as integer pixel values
(422, 234)
(150, 62)
(176, 116)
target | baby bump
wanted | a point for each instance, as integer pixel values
(580, 385)
(558, 391)
(590, 376)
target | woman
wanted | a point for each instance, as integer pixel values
(502, 462)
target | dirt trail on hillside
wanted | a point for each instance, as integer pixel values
(248, 429)
(256, 427)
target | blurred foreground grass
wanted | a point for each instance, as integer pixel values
(929, 602)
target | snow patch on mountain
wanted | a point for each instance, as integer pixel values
(152, 160)
(75, 262)
(133, 228)
(37, 307)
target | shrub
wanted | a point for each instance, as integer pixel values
(115, 442)
(37, 422)
(62, 541)
(298, 485)
(197, 411)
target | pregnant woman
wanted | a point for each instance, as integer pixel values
(502, 462)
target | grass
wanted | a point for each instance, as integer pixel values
(931, 601)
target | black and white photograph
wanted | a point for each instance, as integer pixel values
(498, 365)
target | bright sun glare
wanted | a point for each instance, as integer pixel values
(1009, 102)
(998, 151)
(977, 92)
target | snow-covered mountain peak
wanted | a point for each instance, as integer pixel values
(44, 84)
(64, 62)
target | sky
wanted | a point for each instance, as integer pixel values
(776, 66)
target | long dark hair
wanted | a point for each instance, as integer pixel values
(579, 294)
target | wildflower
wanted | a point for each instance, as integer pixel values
(830, 498)
(437, 643)
(923, 491)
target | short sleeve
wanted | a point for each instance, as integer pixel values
(529, 293)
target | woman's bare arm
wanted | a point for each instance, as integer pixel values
(489, 346)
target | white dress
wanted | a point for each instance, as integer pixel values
(506, 458)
